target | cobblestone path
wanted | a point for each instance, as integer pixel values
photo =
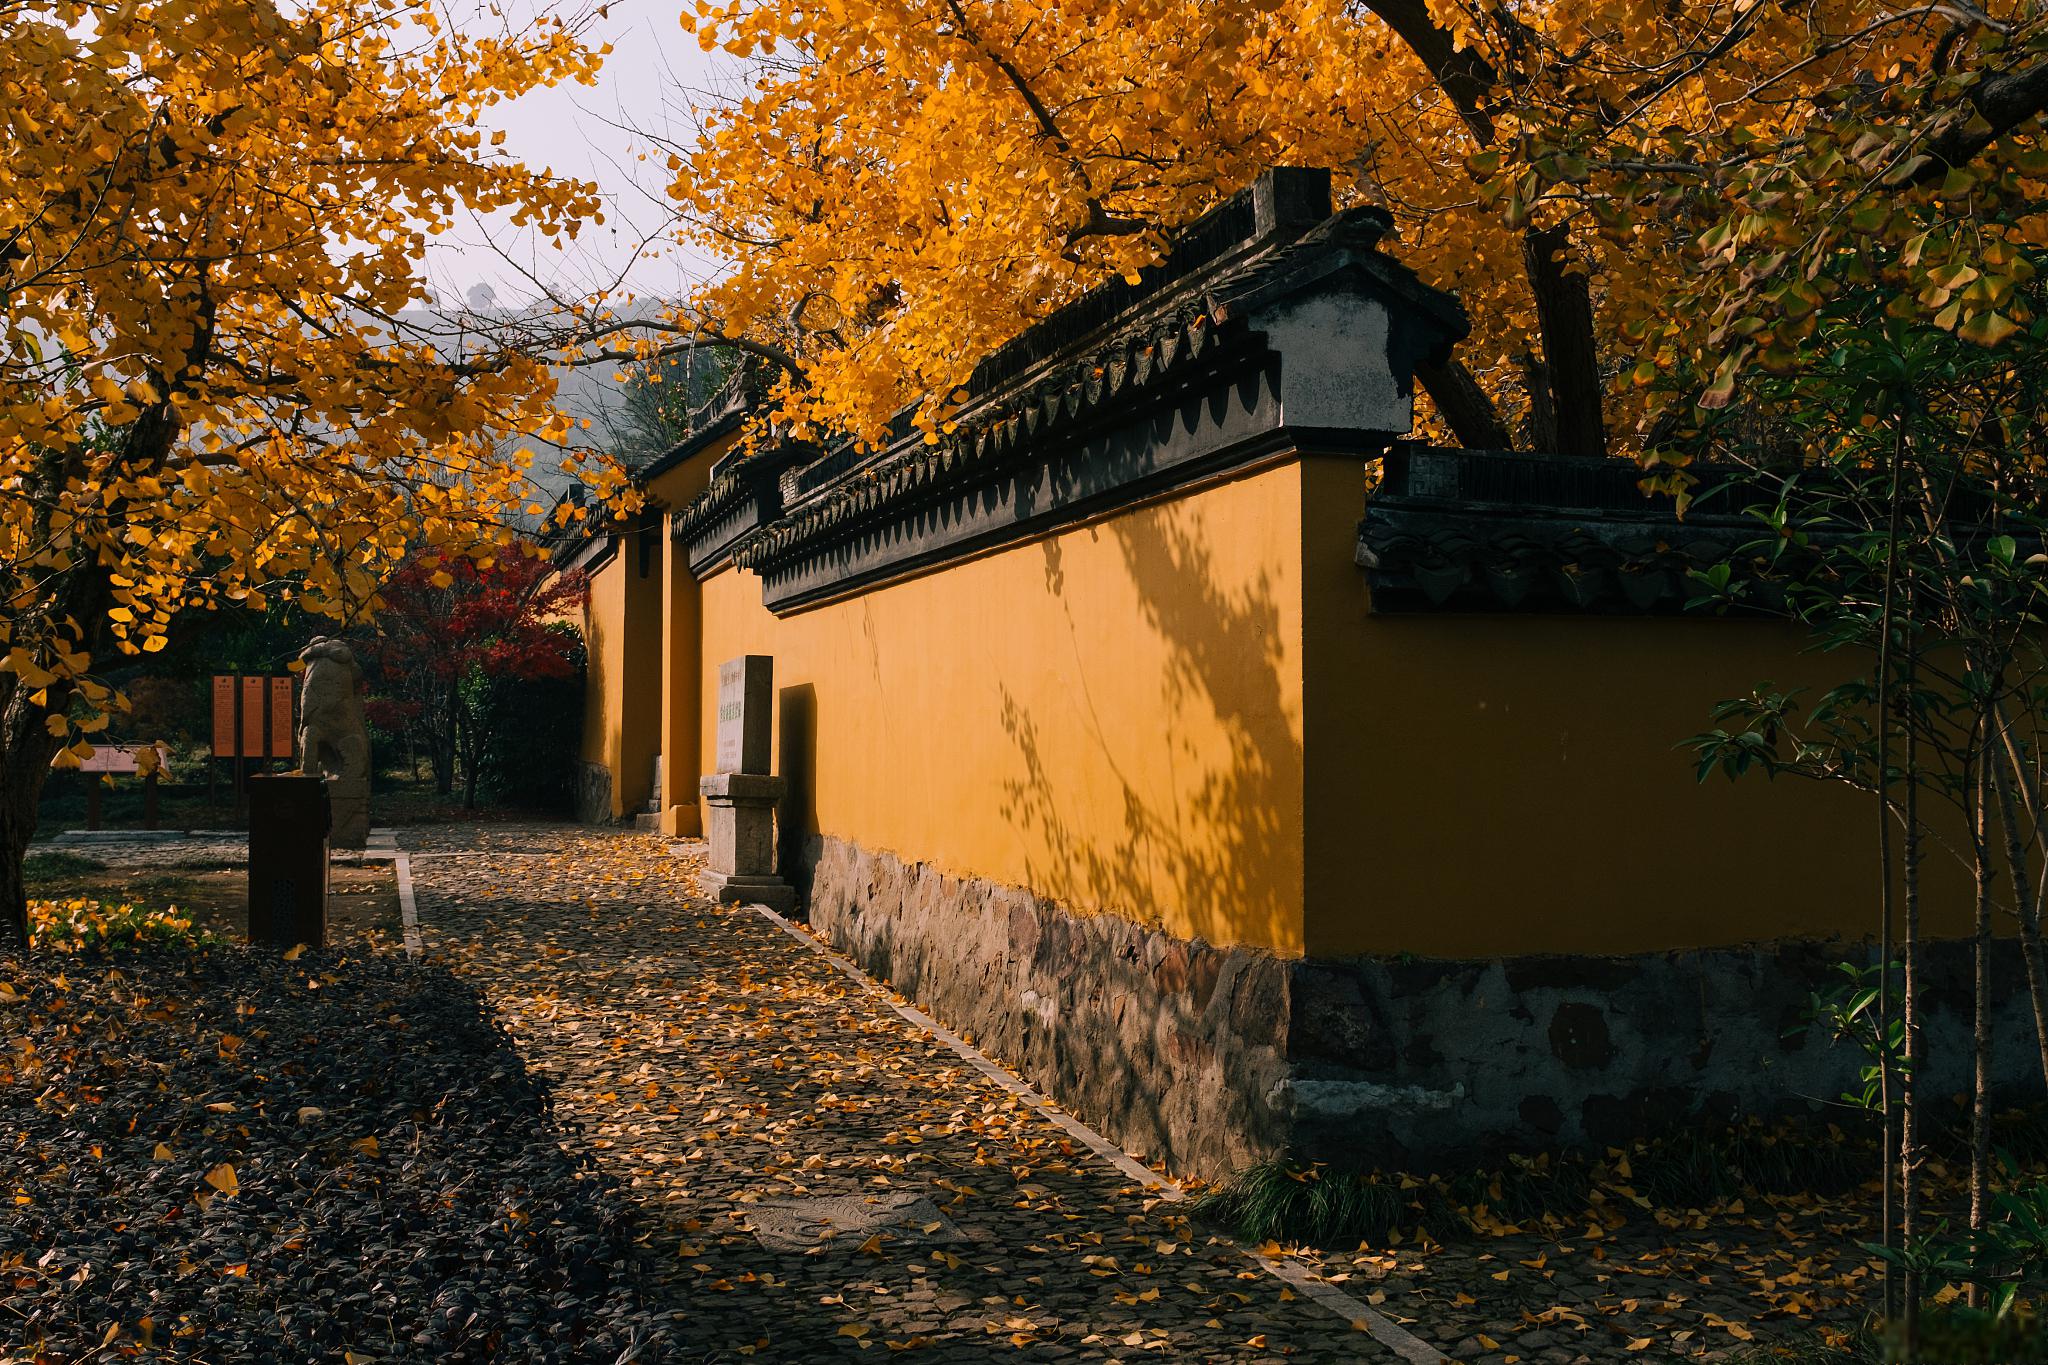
(750, 1100)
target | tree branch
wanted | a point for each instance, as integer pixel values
(1464, 75)
(2003, 102)
(1464, 406)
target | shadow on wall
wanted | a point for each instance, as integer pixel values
(796, 817)
(1225, 853)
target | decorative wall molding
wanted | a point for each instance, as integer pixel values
(1272, 326)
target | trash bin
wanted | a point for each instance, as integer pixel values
(288, 824)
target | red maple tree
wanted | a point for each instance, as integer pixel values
(456, 639)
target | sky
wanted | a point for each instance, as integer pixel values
(649, 84)
(653, 78)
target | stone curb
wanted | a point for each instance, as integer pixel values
(1354, 1310)
(384, 843)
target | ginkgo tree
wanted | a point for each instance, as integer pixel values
(907, 183)
(213, 217)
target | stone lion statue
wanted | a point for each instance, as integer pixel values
(333, 741)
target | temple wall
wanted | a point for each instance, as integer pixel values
(1162, 816)
(1110, 716)
(1204, 1059)
(1486, 785)
(679, 669)
(1093, 744)
(1158, 812)
(622, 631)
(604, 636)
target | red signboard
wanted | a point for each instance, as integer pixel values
(223, 715)
(252, 717)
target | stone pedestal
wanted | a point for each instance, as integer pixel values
(741, 835)
(349, 800)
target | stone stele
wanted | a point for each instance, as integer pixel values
(740, 797)
(334, 743)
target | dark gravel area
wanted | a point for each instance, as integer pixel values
(226, 1157)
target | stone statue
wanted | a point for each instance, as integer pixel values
(332, 739)
(334, 743)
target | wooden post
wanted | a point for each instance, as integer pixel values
(149, 798)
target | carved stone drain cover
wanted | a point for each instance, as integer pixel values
(848, 1221)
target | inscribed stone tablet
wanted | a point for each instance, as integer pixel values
(745, 699)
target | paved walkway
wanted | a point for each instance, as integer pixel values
(818, 1178)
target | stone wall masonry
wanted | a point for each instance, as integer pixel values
(1411, 1060)
(1169, 1047)
(1206, 1059)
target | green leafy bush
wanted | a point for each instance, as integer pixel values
(86, 926)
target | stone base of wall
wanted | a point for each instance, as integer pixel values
(1171, 1048)
(593, 794)
(1207, 1059)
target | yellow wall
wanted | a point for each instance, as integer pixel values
(604, 639)
(1115, 717)
(622, 707)
(681, 662)
(1111, 716)
(1488, 785)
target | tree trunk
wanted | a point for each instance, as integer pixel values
(1980, 1023)
(443, 744)
(2026, 905)
(1464, 406)
(1564, 301)
(1540, 431)
(15, 834)
(469, 749)
(1909, 1081)
(1887, 1073)
(26, 748)
(1458, 68)
(1571, 353)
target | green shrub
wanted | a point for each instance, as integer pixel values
(1955, 1335)
(85, 926)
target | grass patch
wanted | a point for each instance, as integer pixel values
(1955, 1335)
(1284, 1201)
(167, 887)
(58, 865)
(1289, 1201)
(1810, 1351)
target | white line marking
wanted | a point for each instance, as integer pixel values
(1352, 1309)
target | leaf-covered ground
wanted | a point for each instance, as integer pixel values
(228, 1157)
(593, 1127)
(716, 1066)
(713, 1063)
